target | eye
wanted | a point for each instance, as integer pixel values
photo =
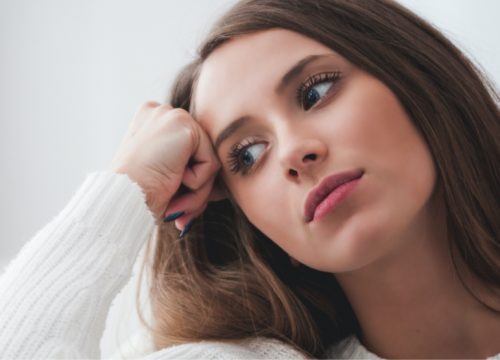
(244, 155)
(315, 88)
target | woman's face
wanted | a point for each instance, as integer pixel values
(285, 113)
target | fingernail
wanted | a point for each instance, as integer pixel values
(173, 216)
(186, 228)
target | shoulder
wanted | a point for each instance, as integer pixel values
(255, 348)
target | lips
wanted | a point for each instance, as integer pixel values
(325, 188)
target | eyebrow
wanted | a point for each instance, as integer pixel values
(230, 129)
(289, 76)
(296, 70)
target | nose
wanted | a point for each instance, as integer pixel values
(302, 157)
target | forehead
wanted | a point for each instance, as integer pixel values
(240, 76)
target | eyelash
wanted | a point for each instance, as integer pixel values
(312, 81)
(235, 164)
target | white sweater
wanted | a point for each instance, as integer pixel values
(55, 295)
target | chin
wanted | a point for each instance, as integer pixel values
(360, 243)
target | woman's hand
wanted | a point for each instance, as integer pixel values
(167, 153)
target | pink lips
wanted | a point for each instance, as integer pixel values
(329, 193)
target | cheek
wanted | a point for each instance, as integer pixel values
(266, 203)
(400, 177)
(259, 198)
(407, 158)
(387, 142)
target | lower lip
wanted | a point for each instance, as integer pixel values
(334, 199)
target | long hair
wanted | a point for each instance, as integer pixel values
(225, 280)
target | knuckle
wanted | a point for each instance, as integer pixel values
(179, 114)
(190, 132)
(174, 117)
(180, 121)
(162, 109)
(149, 105)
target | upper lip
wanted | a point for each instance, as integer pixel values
(325, 187)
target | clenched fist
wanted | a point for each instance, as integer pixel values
(165, 150)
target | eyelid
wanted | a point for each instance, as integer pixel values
(236, 149)
(315, 79)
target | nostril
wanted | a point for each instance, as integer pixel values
(311, 157)
(292, 173)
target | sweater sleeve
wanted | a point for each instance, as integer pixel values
(56, 293)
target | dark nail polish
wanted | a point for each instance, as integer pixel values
(186, 228)
(173, 216)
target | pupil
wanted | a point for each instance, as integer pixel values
(247, 158)
(312, 96)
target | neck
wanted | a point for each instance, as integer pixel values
(413, 304)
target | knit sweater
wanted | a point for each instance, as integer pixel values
(56, 294)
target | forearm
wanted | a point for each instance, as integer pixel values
(55, 295)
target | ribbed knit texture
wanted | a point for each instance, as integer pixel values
(55, 295)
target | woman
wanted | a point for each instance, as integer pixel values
(354, 153)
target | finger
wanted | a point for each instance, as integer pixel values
(204, 164)
(190, 201)
(182, 223)
(159, 111)
(141, 115)
(189, 204)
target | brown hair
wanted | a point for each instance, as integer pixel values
(226, 280)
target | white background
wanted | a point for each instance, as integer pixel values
(72, 74)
